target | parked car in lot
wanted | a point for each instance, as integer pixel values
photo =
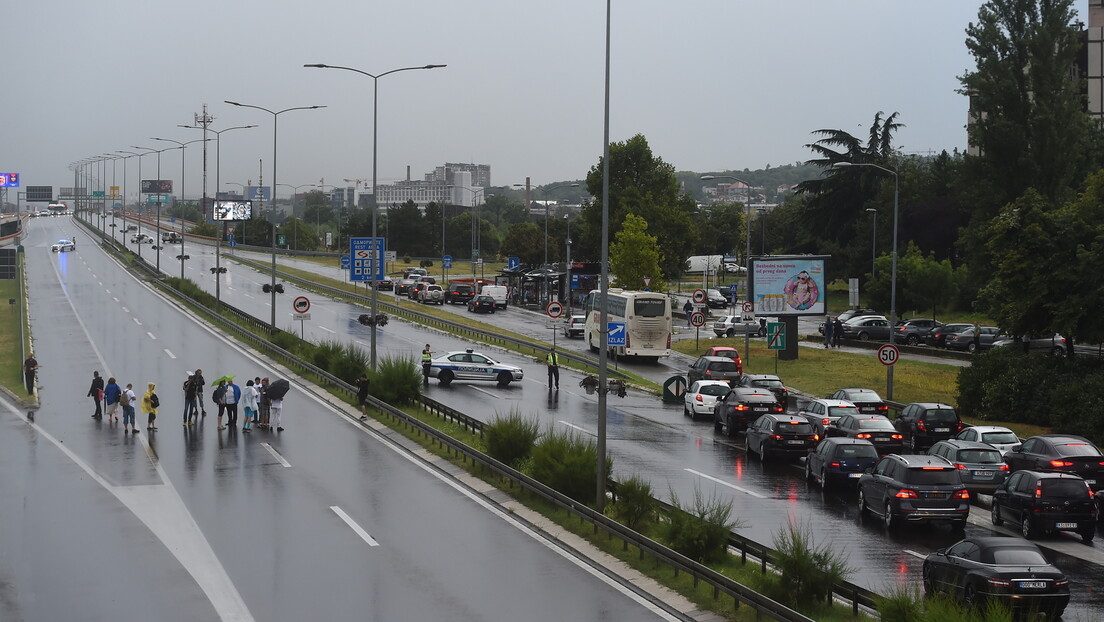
(739, 407)
(937, 337)
(702, 396)
(459, 293)
(714, 299)
(980, 466)
(574, 326)
(840, 460)
(471, 365)
(1064, 453)
(63, 245)
(1050, 344)
(481, 304)
(713, 368)
(1000, 437)
(386, 284)
(964, 340)
(912, 331)
(731, 325)
(769, 382)
(874, 428)
(403, 287)
(1007, 571)
(789, 436)
(866, 400)
(1046, 502)
(922, 424)
(866, 328)
(914, 489)
(431, 295)
(848, 314)
(727, 352)
(823, 413)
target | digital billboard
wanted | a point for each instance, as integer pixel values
(9, 180)
(788, 285)
(232, 210)
(156, 186)
(258, 193)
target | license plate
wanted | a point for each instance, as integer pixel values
(1065, 526)
(934, 495)
(759, 410)
(942, 429)
(854, 475)
(881, 440)
(983, 473)
(795, 442)
(1090, 482)
(1031, 585)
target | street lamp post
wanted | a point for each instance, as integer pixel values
(873, 243)
(747, 255)
(181, 210)
(158, 152)
(893, 273)
(375, 125)
(275, 117)
(125, 158)
(567, 268)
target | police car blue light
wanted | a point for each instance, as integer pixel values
(471, 365)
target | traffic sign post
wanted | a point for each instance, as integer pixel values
(366, 254)
(615, 334)
(776, 340)
(699, 296)
(888, 355)
(697, 320)
(554, 309)
(301, 305)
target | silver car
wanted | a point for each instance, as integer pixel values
(471, 365)
(980, 466)
(732, 325)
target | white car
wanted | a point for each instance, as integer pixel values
(471, 365)
(574, 326)
(1000, 437)
(702, 395)
(141, 238)
(63, 245)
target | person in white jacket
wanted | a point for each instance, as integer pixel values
(249, 399)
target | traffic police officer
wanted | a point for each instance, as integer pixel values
(553, 368)
(427, 362)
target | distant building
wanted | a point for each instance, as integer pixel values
(453, 184)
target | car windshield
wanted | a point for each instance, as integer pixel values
(1077, 449)
(980, 456)
(793, 427)
(839, 411)
(941, 415)
(767, 383)
(875, 424)
(1014, 556)
(723, 366)
(714, 389)
(933, 477)
(650, 307)
(1064, 488)
(999, 437)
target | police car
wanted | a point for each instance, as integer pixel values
(470, 365)
(63, 245)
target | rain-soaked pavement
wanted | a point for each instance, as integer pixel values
(655, 441)
(326, 520)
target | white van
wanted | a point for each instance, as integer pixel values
(497, 292)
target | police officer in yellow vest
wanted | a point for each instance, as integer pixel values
(553, 368)
(427, 362)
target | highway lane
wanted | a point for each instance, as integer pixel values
(654, 440)
(327, 520)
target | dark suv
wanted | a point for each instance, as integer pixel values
(713, 368)
(459, 293)
(980, 466)
(790, 436)
(914, 489)
(736, 410)
(926, 423)
(1060, 452)
(769, 382)
(912, 331)
(1043, 502)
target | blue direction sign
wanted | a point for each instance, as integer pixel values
(446, 262)
(367, 259)
(345, 262)
(615, 333)
(574, 281)
(513, 263)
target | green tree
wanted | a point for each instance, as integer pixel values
(634, 255)
(409, 233)
(524, 241)
(923, 282)
(433, 228)
(317, 208)
(300, 236)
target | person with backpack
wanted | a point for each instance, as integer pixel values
(190, 395)
(96, 392)
(112, 392)
(216, 397)
(150, 402)
(231, 395)
(126, 400)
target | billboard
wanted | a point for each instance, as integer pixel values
(788, 285)
(40, 194)
(156, 186)
(232, 210)
(9, 180)
(258, 193)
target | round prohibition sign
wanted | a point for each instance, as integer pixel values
(699, 296)
(888, 354)
(748, 306)
(697, 319)
(301, 304)
(554, 310)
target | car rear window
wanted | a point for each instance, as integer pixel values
(1064, 488)
(941, 415)
(999, 437)
(980, 456)
(730, 354)
(767, 384)
(1078, 449)
(839, 411)
(793, 427)
(934, 477)
(856, 451)
(875, 424)
(650, 307)
(1014, 557)
(723, 366)
(714, 389)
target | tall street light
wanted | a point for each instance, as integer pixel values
(873, 243)
(181, 210)
(275, 117)
(158, 152)
(295, 193)
(893, 274)
(474, 227)
(218, 188)
(747, 256)
(125, 158)
(544, 192)
(375, 125)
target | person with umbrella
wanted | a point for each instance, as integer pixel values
(276, 392)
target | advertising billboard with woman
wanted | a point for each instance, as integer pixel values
(788, 285)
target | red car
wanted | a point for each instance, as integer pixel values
(727, 352)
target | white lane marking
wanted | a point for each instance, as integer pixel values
(137, 321)
(724, 483)
(362, 343)
(250, 296)
(352, 523)
(171, 355)
(151, 335)
(575, 427)
(915, 554)
(276, 454)
(126, 310)
(327, 330)
(114, 298)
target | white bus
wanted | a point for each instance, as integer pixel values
(647, 318)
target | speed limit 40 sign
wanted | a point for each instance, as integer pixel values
(697, 319)
(888, 354)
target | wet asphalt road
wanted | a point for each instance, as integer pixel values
(326, 520)
(654, 440)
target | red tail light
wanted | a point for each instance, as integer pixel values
(1061, 582)
(864, 435)
(741, 407)
(1004, 467)
(668, 341)
(907, 494)
(779, 409)
(698, 398)
(920, 425)
(1038, 493)
(1060, 463)
(960, 467)
(883, 407)
(999, 583)
(827, 421)
(776, 437)
(896, 437)
(962, 494)
(959, 426)
(816, 437)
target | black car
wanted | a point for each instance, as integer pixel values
(848, 314)
(403, 287)
(912, 332)
(769, 382)
(867, 327)
(914, 489)
(1045, 502)
(482, 304)
(938, 336)
(459, 293)
(791, 436)
(1062, 453)
(866, 400)
(923, 424)
(713, 368)
(985, 337)
(874, 428)
(993, 568)
(838, 460)
(386, 284)
(736, 410)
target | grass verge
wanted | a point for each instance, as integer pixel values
(11, 366)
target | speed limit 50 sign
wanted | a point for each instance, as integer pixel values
(888, 354)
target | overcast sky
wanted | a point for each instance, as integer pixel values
(712, 84)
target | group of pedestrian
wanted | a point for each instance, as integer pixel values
(258, 406)
(833, 332)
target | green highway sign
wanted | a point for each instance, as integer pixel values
(776, 336)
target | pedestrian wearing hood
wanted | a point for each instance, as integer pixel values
(96, 392)
(111, 398)
(191, 393)
(150, 402)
